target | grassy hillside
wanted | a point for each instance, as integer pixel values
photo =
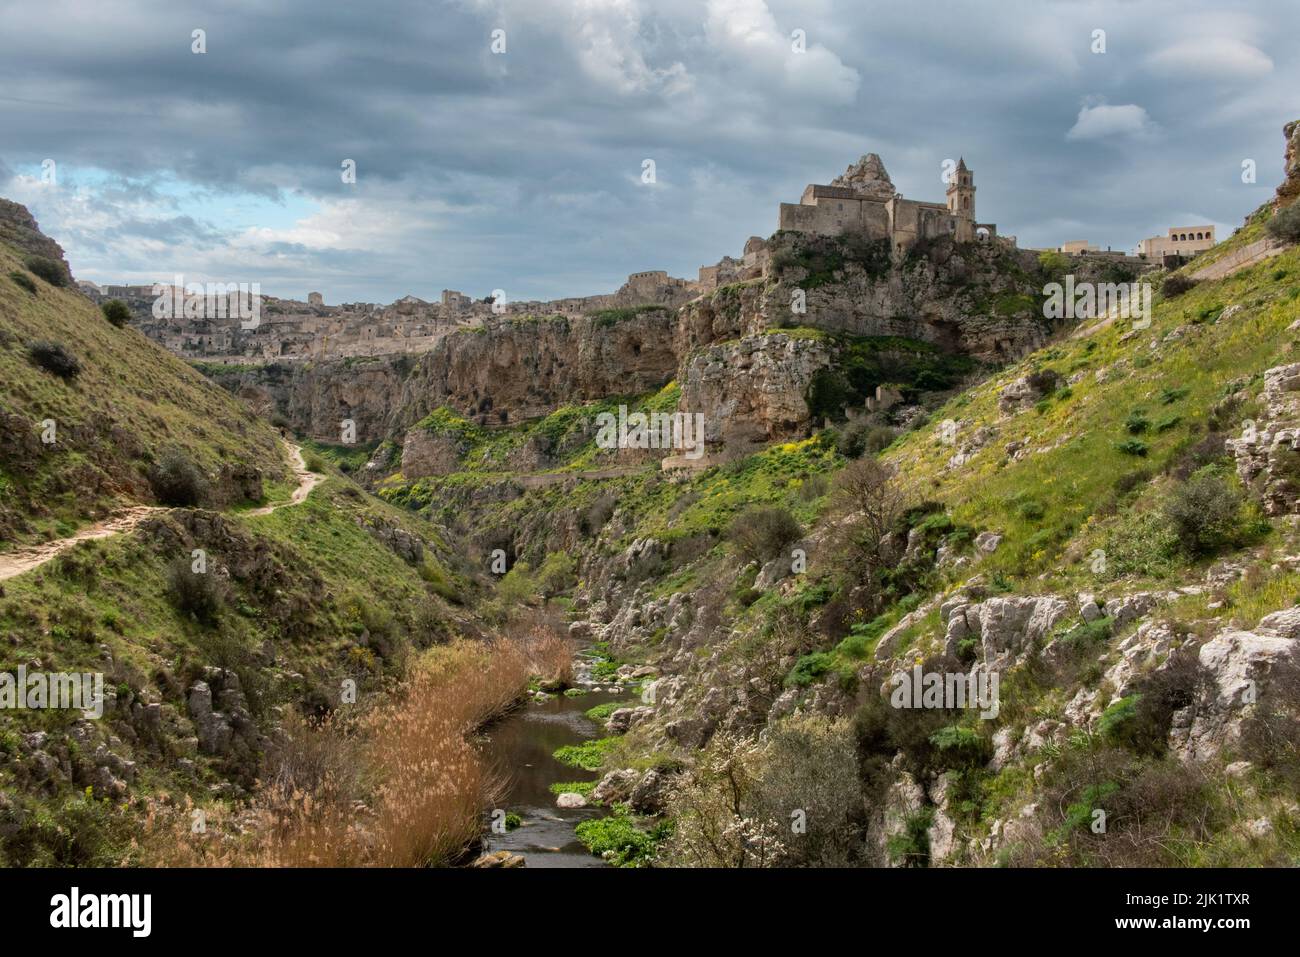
(129, 404)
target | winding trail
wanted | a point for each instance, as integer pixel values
(25, 559)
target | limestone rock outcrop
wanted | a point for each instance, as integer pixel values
(754, 389)
(1268, 451)
(868, 177)
(1289, 189)
(1244, 666)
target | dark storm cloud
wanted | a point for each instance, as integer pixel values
(522, 171)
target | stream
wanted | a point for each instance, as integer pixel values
(520, 748)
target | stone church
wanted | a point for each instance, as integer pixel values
(863, 198)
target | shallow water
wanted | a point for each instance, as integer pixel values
(520, 747)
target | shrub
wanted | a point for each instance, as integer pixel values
(556, 574)
(809, 668)
(1132, 447)
(859, 438)
(517, 586)
(55, 359)
(24, 280)
(1137, 422)
(961, 744)
(828, 393)
(763, 533)
(47, 269)
(1115, 723)
(177, 481)
(911, 846)
(1204, 513)
(202, 596)
(1285, 224)
(116, 312)
(601, 511)
(1176, 285)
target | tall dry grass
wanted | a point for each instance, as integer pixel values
(398, 785)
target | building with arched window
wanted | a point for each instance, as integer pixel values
(1180, 241)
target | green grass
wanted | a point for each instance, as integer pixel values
(1083, 447)
(131, 401)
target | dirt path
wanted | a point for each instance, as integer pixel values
(25, 559)
(306, 482)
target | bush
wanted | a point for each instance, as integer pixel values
(198, 595)
(762, 534)
(55, 359)
(1204, 513)
(1285, 224)
(1137, 422)
(557, 574)
(47, 269)
(809, 668)
(601, 511)
(177, 481)
(116, 312)
(24, 280)
(1176, 285)
(1132, 447)
(859, 438)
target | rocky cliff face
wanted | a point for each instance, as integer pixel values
(317, 398)
(1290, 187)
(18, 228)
(518, 369)
(753, 390)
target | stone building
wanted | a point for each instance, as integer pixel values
(863, 199)
(1076, 246)
(1181, 241)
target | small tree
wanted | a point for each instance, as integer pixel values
(116, 312)
(874, 503)
(1204, 513)
(761, 534)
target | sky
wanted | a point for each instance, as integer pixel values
(505, 144)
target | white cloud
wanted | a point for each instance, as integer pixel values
(1103, 121)
(745, 33)
(1211, 57)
